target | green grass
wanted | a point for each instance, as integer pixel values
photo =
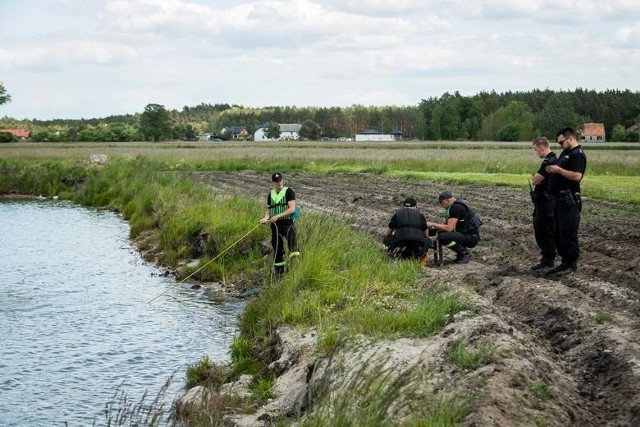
(613, 170)
(375, 396)
(262, 390)
(603, 316)
(542, 390)
(471, 357)
(344, 285)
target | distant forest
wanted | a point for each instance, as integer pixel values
(491, 116)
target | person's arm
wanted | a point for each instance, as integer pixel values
(570, 175)
(447, 227)
(291, 207)
(265, 218)
(388, 232)
(537, 179)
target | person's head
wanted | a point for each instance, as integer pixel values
(566, 137)
(446, 199)
(276, 180)
(541, 147)
(410, 203)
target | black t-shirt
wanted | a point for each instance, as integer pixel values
(409, 224)
(573, 160)
(543, 187)
(458, 211)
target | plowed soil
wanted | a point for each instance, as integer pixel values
(575, 352)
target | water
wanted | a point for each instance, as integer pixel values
(74, 322)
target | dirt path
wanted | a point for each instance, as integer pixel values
(580, 334)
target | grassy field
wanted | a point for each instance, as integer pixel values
(357, 292)
(613, 171)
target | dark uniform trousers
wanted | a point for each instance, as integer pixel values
(566, 216)
(282, 229)
(463, 239)
(543, 227)
(407, 248)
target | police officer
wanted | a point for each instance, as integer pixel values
(281, 205)
(543, 206)
(461, 229)
(406, 235)
(564, 187)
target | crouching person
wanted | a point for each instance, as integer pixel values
(406, 234)
(461, 229)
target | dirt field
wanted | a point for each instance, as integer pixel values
(575, 352)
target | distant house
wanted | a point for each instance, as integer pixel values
(235, 132)
(592, 132)
(18, 133)
(376, 135)
(288, 132)
(205, 137)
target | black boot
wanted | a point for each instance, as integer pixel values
(544, 263)
(463, 254)
(278, 270)
(562, 270)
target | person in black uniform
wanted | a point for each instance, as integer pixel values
(564, 187)
(542, 206)
(461, 229)
(406, 235)
(281, 205)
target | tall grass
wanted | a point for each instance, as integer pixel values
(375, 396)
(188, 219)
(345, 285)
(51, 178)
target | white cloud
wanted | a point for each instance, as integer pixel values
(60, 54)
(306, 52)
(629, 35)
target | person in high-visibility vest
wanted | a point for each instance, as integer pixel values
(281, 206)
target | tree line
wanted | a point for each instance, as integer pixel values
(491, 116)
(523, 116)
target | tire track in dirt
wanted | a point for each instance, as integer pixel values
(595, 366)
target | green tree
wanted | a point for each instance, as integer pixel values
(272, 131)
(310, 130)
(155, 123)
(619, 133)
(6, 137)
(513, 122)
(4, 96)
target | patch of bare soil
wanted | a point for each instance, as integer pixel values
(568, 349)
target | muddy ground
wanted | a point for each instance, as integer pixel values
(570, 347)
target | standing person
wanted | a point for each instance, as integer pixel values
(564, 187)
(543, 206)
(461, 229)
(406, 235)
(281, 205)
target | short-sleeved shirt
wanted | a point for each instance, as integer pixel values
(572, 160)
(457, 211)
(543, 187)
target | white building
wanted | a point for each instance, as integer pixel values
(288, 132)
(375, 135)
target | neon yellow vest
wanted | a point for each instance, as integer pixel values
(278, 203)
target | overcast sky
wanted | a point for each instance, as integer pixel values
(92, 58)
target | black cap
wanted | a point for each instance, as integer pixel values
(445, 195)
(276, 177)
(409, 202)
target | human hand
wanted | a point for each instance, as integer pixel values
(263, 220)
(553, 169)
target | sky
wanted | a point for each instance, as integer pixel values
(94, 58)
